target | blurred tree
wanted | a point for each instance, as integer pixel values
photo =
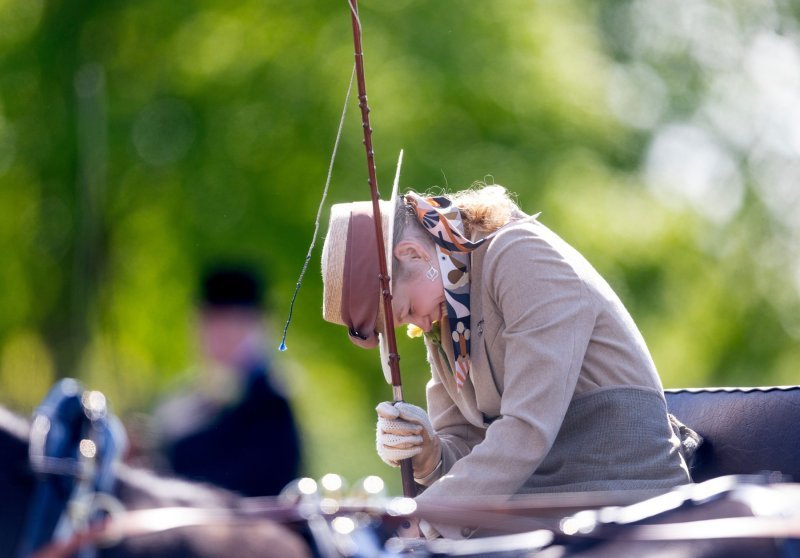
(139, 141)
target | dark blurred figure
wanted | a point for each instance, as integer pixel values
(235, 429)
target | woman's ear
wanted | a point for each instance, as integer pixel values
(408, 251)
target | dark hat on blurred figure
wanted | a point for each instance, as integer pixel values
(237, 286)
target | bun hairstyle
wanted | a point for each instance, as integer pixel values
(485, 208)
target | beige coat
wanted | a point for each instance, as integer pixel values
(562, 395)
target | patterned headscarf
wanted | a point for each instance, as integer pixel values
(442, 220)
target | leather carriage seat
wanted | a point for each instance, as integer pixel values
(745, 430)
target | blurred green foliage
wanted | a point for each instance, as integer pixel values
(141, 140)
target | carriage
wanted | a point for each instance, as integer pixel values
(742, 502)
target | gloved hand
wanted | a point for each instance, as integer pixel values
(404, 431)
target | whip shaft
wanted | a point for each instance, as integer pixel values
(409, 487)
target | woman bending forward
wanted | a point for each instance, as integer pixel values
(540, 380)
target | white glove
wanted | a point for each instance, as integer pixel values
(404, 431)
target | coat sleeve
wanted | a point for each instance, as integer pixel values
(455, 432)
(548, 320)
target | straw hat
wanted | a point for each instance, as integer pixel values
(350, 270)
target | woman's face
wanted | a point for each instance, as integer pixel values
(416, 299)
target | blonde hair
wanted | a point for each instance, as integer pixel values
(484, 208)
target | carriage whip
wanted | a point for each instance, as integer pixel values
(406, 471)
